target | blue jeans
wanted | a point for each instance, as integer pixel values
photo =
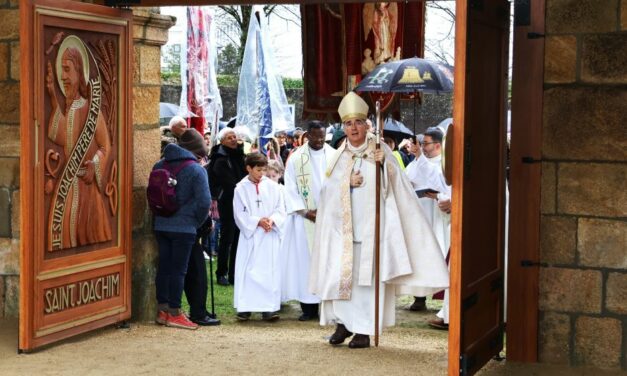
(174, 251)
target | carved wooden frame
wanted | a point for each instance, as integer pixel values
(92, 266)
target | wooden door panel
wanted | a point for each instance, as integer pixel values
(76, 173)
(476, 327)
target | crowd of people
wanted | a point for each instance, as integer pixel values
(291, 218)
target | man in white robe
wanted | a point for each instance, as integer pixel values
(259, 212)
(342, 264)
(304, 174)
(425, 173)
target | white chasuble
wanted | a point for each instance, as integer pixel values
(304, 175)
(342, 265)
(257, 265)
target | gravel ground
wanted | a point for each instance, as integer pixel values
(285, 347)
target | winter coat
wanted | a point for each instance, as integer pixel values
(192, 193)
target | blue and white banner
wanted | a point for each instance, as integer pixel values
(261, 102)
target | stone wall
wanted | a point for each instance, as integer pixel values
(9, 159)
(149, 33)
(434, 109)
(583, 286)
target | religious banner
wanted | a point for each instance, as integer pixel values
(200, 93)
(75, 157)
(344, 42)
(261, 101)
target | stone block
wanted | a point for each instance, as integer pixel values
(592, 189)
(554, 338)
(604, 58)
(5, 220)
(616, 293)
(146, 104)
(580, 16)
(146, 152)
(15, 61)
(598, 342)
(144, 269)
(10, 102)
(548, 185)
(9, 256)
(136, 63)
(15, 214)
(558, 236)
(602, 243)
(12, 296)
(560, 59)
(9, 172)
(150, 68)
(140, 205)
(585, 123)
(2, 296)
(10, 25)
(4, 61)
(152, 28)
(10, 141)
(570, 290)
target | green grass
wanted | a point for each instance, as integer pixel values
(223, 296)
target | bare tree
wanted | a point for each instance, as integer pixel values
(239, 16)
(440, 47)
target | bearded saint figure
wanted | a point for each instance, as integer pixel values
(382, 19)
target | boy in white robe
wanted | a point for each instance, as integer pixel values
(259, 212)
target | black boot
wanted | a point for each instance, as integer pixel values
(341, 333)
(420, 304)
(360, 341)
(310, 312)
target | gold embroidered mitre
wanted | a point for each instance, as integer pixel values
(352, 107)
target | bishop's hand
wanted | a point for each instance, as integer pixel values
(379, 155)
(356, 179)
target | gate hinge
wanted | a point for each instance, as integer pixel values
(528, 159)
(532, 35)
(465, 363)
(529, 263)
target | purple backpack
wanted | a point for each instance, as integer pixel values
(161, 191)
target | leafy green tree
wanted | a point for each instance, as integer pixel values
(172, 58)
(228, 60)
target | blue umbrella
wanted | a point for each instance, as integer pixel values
(168, 110)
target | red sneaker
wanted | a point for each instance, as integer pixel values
(181, 321)
(162, 318)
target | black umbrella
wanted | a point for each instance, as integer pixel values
(396, 130)
(409, 76)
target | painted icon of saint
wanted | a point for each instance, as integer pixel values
(77, 212)
(382, 19)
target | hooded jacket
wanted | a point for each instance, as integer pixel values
(192, 193)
